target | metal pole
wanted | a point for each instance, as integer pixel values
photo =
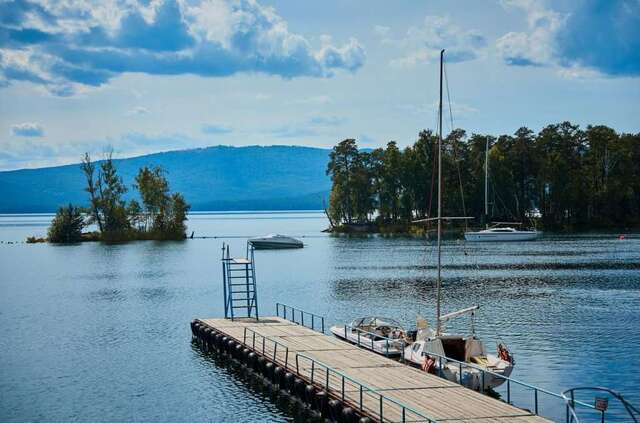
(486, 184)
(439, 281)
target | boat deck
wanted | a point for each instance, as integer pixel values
(402, 392)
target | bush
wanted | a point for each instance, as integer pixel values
(67, 226)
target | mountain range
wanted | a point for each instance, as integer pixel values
(212, 178)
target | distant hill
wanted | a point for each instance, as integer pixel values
(213, 178)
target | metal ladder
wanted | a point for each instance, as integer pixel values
(239, 284)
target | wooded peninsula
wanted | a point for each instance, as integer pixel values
(563, 178)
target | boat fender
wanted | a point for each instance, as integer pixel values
(298, 387)
(230, 346)
(309, 393)
(335, 409)
(218, 340)
(211, 340)
(504, 354)
(429, 365)
(289, 379)
(278, 373)
(193, 327)
(238, 351)
(268, 370)
(251, 359)
(348, 415)
(260, 364)
(320, 402)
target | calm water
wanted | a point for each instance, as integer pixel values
(101, 333)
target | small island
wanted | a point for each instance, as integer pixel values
(161, 215)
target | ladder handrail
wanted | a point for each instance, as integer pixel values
(247, 269)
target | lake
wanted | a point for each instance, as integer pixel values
(96, 332)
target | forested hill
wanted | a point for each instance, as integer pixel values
(213, 178)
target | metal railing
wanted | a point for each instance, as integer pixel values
(360, 395)
(484, 373)
(297, 316)
(267, 346)
(572, 417)
(368, 340)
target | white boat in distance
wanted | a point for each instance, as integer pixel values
(381, 335)
(501, 234)
(275, 242)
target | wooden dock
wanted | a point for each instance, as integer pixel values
(375, 386)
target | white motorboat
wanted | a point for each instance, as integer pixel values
(501, 234)
(275, 242)
(379, 334)
(429, 348)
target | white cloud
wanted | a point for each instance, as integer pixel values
(317, 99)
(63, 46)
(137, 111)
(536, 46)
(27, 129)
(423, 44)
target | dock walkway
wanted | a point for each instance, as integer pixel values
(365, 380)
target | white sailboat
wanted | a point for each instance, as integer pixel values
(498, 232)
(431, 345)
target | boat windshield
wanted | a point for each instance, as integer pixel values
(372, 322)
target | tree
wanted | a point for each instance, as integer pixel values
(66, 226)
(89, 169)
(154, 191)
(341, 162)
(111, 189)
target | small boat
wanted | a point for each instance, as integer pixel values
(501, 234)
(381, 335)
(429, 346)
(275, 242)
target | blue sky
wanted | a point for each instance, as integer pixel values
(150, 76)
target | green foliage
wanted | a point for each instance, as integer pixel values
(162, 215)
(66, 226)
(571, 178)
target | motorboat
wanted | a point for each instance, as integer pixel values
(447, 355)
(381, 335)
(501, 234)
(275, 242)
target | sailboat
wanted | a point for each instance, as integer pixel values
(499, 231)
(430, 345)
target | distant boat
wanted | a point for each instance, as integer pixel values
(496, 233)
(275, 242)
(501, 234)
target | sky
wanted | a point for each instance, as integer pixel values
(144, 76)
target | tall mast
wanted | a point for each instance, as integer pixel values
(439, 280)
(486, 184)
